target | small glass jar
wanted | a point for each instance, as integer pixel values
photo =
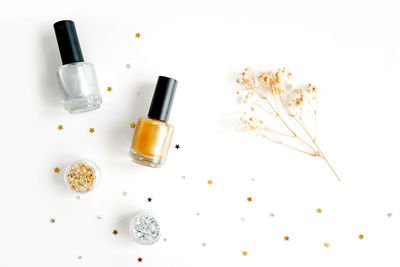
(82, 176)
(144, 228)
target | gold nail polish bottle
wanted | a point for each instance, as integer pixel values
(153, 134)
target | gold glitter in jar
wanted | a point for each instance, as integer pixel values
(81, 177)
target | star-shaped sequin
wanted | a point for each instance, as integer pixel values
(60, 127)
(56, 170)
(149, 199)
(109, 88)
(115, 232)
(177, 146)
(244, 253)
(133, 125)
(91, 130)
(52, 220)
(326, 245)
(249, 199)
(137, 35)
(319, 210)
(286, 238)
(361, 236)
(139, 259)
(210, 182)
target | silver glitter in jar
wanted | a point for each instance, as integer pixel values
(144, 228)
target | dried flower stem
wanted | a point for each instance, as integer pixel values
(271, 95)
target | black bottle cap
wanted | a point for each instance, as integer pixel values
(162, 98)
(68, 42)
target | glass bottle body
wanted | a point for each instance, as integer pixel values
(151, 142)
(78, 84)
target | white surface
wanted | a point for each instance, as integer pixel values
(349, 49)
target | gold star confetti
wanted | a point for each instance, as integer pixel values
(115, 232)
(52, 220)
(56, 170)
(326, 245)
(91, 130)
(60, 127)
(286, 238)
(210, 182)
(139, 259)
(319, 210)
(244, 253)
(109, 88)
(133, 125)
(137, 35)
(361, 236)
(249, 199)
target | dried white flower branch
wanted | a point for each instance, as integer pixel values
(279, 112)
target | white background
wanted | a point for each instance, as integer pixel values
(349, 49)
